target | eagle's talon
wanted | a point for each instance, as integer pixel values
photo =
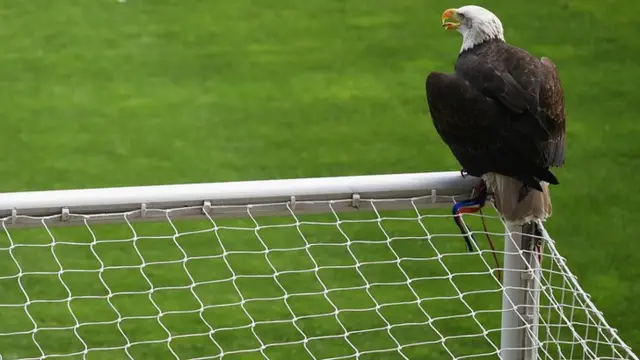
(463, 172)
(481, 187)
(479, 190)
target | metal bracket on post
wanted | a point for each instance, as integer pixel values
(434, 197)
(64, 216)
(292, 202)
(206, 207)
(527, 275)
(355, 200)
(14, 216)
(143, 210)
(521, 294)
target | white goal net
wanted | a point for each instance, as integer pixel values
(306, 270)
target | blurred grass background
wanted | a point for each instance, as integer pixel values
(104, 93)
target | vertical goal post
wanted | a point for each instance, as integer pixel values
(541, 312)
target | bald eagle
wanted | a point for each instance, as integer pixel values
(502, 115)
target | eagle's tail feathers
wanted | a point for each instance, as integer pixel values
(531, 182)
(547, 176)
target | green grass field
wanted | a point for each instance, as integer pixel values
(103, 93)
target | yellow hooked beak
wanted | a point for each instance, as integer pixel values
(447, 17)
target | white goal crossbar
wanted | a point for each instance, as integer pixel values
(544, 313)
(24, 208)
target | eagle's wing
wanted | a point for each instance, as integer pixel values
(481, 134)
(531, 90)
(552, 105)
(495, 83)
(516, 88)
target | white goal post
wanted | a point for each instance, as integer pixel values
(355, 267)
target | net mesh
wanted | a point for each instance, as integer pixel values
(338, 285)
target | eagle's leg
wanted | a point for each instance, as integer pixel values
(480, 189)
(475, 203)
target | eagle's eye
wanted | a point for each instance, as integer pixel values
(461, 16)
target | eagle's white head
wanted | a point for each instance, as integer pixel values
(475, 23)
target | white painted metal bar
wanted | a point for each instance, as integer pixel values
(231, 198)
(521, 295)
